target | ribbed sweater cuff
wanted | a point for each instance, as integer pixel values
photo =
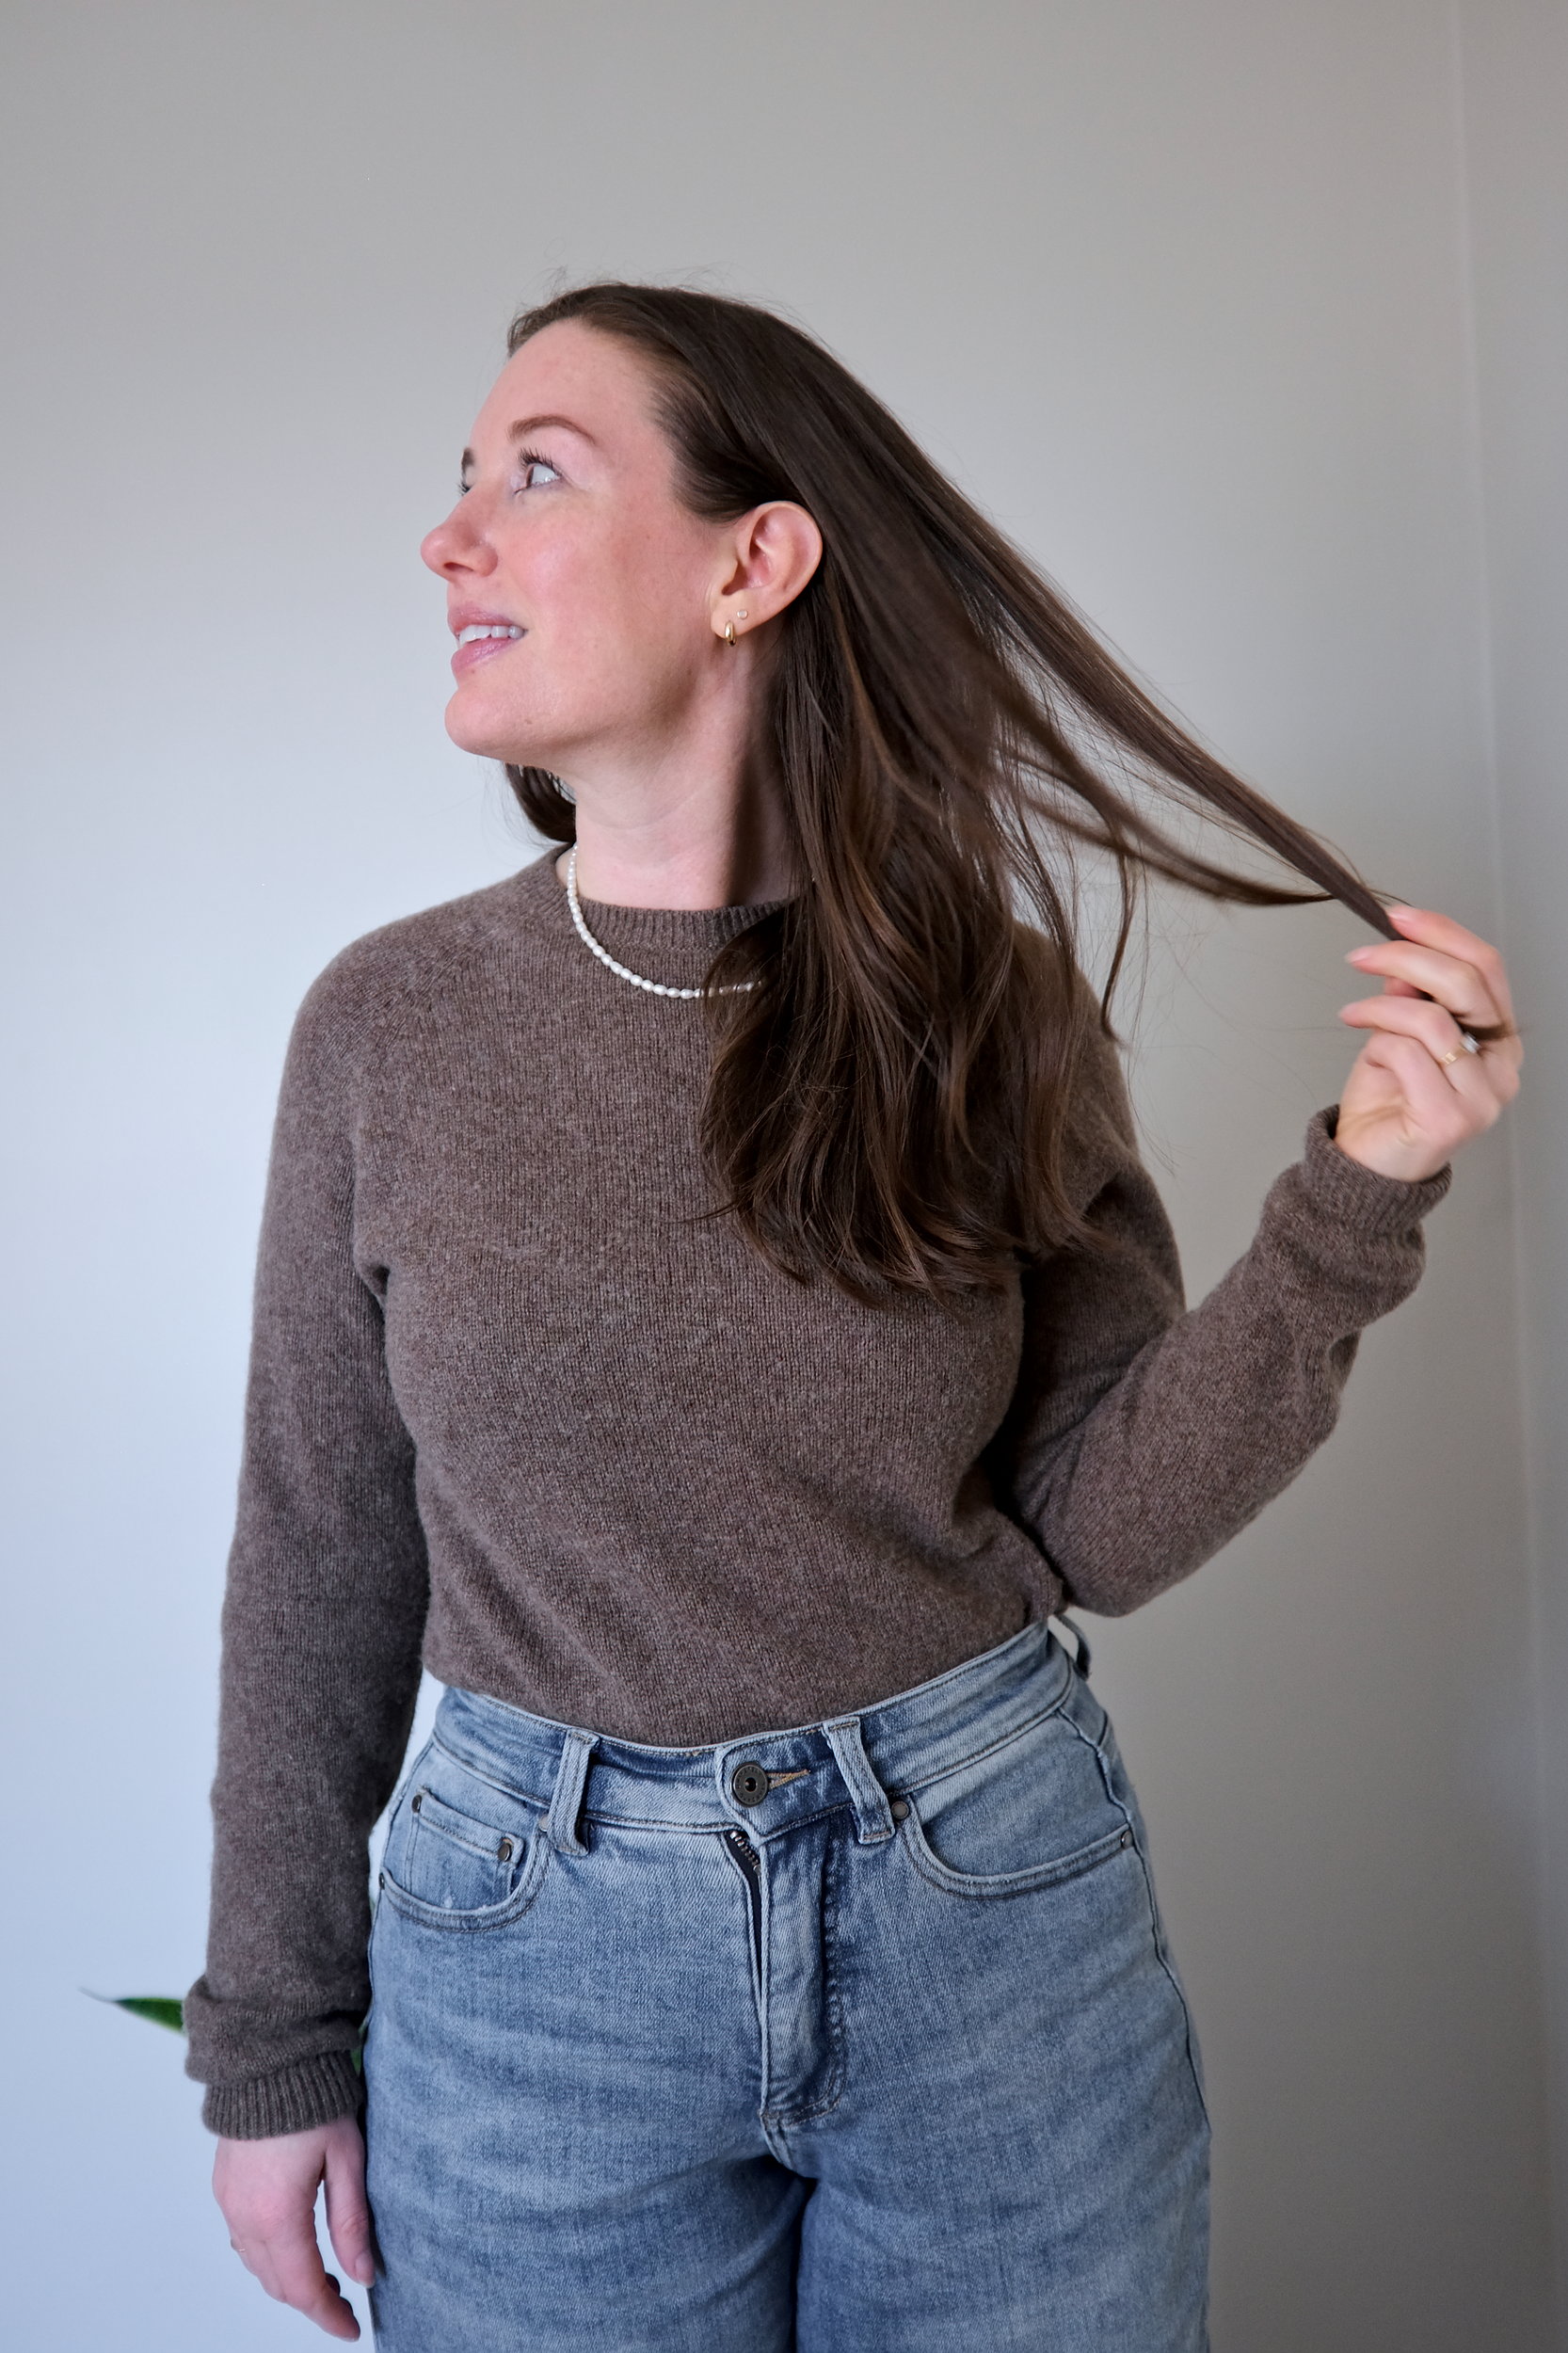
(1359, 1199)
(295, 2100)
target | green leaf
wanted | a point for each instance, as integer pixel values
(162, 2009)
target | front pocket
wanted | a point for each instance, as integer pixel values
(1037, 1809)
(458, 1848)
(1025, 1882)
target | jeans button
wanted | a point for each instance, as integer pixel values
(748, 1784)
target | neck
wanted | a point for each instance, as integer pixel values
(687, 848)
(688, 814)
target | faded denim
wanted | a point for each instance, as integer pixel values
(892, 2060)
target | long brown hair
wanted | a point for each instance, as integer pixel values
(891, 1107)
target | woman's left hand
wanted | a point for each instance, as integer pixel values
(1416, 1090)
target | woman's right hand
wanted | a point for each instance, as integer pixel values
(268, 2191)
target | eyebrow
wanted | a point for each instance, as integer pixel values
(525, 425)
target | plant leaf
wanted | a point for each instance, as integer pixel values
(162, 2009)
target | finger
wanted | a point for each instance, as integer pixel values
(348, 2210)
(1460, 985)
(288, 2265)
(1496, 1064)
(1432, 1108)
(1438, 1032)
(1441, 931)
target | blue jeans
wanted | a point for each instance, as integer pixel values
(861, 2038)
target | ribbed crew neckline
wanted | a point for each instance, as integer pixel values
(685, 936)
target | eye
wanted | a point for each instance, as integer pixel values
(534, 471)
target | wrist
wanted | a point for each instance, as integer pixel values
(1357, 1199)
(1403, 1163)
(296, 2099)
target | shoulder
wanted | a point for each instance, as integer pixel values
(379, 981)
(373, 985)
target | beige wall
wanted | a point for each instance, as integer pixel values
(1185, 292)
(1515, 54)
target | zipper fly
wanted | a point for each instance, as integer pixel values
(750, 1862)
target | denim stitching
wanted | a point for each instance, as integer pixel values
(521, 1899)
(440, 1830)
(978, 1757)
(598, 1813)
(1160, 1953)
(832, 2000)
(999, 1887)
(504, 1788)
(867, 1718)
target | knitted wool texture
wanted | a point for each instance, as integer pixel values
(517, 1410)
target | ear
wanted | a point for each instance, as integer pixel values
(772, 553)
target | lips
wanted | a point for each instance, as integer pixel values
(476, 630)
(481, 637)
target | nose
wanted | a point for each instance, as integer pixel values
(456, 547)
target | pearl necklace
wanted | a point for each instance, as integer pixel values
(654, 988)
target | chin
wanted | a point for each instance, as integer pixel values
(484, 735)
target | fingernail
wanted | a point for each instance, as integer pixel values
(364, 2271)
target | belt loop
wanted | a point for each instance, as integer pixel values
(1083, 1655)
(566, 1801)
(873, 1814)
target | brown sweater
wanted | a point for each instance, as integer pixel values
(513, 1412)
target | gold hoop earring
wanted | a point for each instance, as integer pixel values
(730, 626)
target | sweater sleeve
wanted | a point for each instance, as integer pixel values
(321, 1625)
(1142, 1438)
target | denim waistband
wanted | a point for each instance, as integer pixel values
(766, 1783)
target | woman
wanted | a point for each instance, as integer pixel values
(711, 1309)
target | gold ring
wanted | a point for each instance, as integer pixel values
(1444, 1060)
